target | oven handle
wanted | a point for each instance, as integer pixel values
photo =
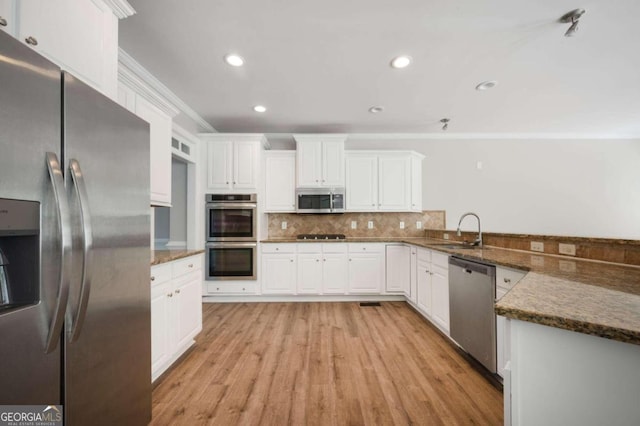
(231, 245)
(232, 206)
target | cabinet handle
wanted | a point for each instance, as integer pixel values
(3, 22)
(507, 280)
(426, 270)
(177, 291)
(31, 40)
(191, 265)
(170, 295)
(430, 273)
(153, 278)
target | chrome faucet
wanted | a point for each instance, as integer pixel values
(478, 241)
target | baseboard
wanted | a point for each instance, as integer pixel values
(323, 298)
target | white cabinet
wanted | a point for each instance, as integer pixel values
(320, 160)
(280, 181)
(278, 268)
(309, 280)
(398, 264)
(506, 278)
(322, 268)
(176, 310)
(433, 287)
(335, 273)
(412, 290)
(160, 148)
(383, 181)
(81, 36)
(233, 161)
(366, 268)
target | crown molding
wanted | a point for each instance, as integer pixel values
(121, 8)
(431, 136)
(134, 75)
(236, 137)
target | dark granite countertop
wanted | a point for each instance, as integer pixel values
(598, 298)
(164, 256)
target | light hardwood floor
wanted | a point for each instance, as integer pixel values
(324, 364)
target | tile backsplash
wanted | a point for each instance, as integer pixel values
(387, 224)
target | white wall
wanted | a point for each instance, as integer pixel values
(588, 188)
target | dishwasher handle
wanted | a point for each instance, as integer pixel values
(470, 267)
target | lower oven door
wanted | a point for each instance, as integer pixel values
(231, 261)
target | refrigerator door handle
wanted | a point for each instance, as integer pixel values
(87, 246)
(64, 229)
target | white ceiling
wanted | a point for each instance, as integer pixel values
(319, 65)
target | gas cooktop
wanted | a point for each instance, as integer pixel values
(321, 237)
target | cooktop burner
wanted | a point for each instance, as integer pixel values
(321, 236)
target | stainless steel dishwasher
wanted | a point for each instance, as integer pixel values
(472, 292)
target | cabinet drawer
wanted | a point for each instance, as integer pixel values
(334, 248)
(186, 265)
(424, 255)
(440, 259)
(160, 273)
(279, 248)
(309, 247)
(231, 288)
(506, 278)
(365, 248)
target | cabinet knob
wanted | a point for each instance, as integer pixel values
(507, 280)
(322, 180)
(170, 295)
(350, 260)
(324, 260)
(317, 260)
(217, 288)
(3, 22)
(243, 289)
(373, 205)
(227, 182)
(177, 291)
(191, 265)
(291, 260)
(31, 40)
(426, 270)
(234, 183)
(430, 273)
(277, 249)
(153, 278)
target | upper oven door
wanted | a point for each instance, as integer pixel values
(231, 222)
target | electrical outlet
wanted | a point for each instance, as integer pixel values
(283, 225)
(370, 224)
(354, 224)
(401, 225)
(445, 236)
(568, 249)
(537, 246)
(418, 225)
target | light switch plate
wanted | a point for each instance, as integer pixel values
(354, 224)
(445, 236)
(568, 249)
(401, 225)
(537, 246)
(283, 225)
(418, 225)
(370, 224)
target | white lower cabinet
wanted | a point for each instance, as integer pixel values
(433, 287)
(412, 290)
(398, 264)
(278, 268)
(176, 310)
(506, 278)
(366, 268)
(335, 272)
(309, 273)
(322, 268)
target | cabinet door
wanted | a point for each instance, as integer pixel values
(188, 300)
(413, 277)
(335, 273)
(398, 264)
(416, 183)
(7, 16)
(333, 163)
(362, 183)
(245, 165)
(366, 273)
(394, 174)
(219, 164)
(160, 148)
(309, 161)
(280, 181)
(80, 36)
(424, 287)
(278, 273)
(160, 316)
(309, 273)
(440, 297)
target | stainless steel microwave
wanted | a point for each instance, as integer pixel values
(320, 200)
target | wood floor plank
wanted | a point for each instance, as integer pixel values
(322, 364)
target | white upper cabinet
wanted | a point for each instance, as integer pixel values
(233, 161)
(320, 160)
(280, 179)
(383, 181)
(81, 36)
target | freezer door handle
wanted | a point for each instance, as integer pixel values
(87, 245)
(64, 229)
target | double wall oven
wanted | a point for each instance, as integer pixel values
(232, 236)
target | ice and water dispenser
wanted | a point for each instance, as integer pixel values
(19, 253)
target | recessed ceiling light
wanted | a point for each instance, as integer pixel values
(234, 60)
(486, 85)
(259, 108)
(401, 61)
(376, 109)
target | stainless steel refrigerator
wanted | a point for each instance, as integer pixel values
(74, 243)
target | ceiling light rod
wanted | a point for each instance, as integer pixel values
(445, 123)
(573, 17)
